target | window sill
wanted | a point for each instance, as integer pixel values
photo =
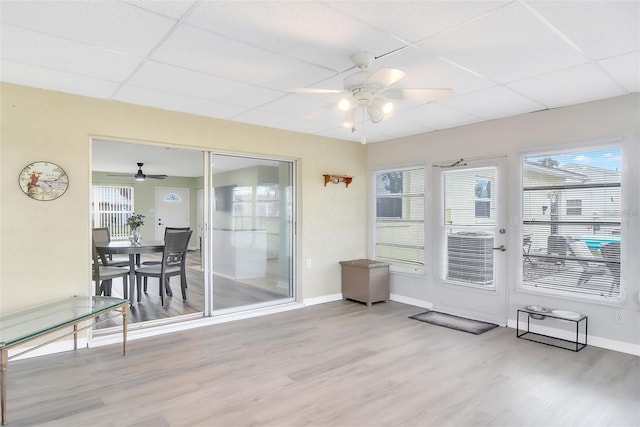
(557, 294)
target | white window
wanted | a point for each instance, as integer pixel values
(574, 207)
(111, 205)
(571, 209)
(399, 238)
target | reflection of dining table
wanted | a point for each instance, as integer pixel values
(134, 251)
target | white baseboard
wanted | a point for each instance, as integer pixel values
(594, 341)
(322, 299)
(411, 301)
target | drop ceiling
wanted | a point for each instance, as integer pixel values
(235, 60)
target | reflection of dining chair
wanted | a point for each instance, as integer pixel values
(103, 235)
(579, 249)
(174, 256)
(104, 274)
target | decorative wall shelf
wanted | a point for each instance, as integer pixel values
(337, 179)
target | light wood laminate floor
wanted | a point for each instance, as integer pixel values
(227, 293)
(333, 364)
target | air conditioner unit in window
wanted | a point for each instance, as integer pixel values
(470, 257)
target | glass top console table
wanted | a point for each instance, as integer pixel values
(40, 322)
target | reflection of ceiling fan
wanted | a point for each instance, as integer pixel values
(371, 92)
(140, 176)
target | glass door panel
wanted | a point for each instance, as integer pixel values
(252, 233)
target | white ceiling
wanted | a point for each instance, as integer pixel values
(235, 59)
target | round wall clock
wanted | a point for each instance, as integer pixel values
(43, 181)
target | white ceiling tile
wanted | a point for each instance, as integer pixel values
(170, 101)
(625, 69)
(436, 116)
(263, 118)
(393, 127)
(506, 45)
(355, 137)
(28, 75)
(600, 28)
(202, 50)
(310, 31)
(414, 21)
(304, 108)
(494, 103)
(153, 75)
(29, 47)
(424, 70)
(571, 86)
(109, 24)
(171, 8)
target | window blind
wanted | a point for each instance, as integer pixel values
(399, 238)
(571, 210)
(111, 205)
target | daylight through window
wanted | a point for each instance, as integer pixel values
(571, 213)
(399, 237)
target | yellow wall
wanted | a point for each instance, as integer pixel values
(45, 246)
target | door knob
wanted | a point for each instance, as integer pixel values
(500, 248)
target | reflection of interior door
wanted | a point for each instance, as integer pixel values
(172, 209)
(471, 244)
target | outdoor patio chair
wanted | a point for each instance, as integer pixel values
(611, 253)
(579, 249)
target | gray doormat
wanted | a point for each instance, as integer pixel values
(454, 322)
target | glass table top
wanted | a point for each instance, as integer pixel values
(16, 327)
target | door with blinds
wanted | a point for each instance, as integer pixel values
(470, 252)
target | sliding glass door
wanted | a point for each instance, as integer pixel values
(252, 233)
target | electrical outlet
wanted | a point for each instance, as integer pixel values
(617, 317)
(308, 262)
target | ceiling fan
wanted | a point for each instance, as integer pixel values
(139, 176)
(371, 92)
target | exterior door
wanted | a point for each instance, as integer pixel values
(470, 253)
(172, 210)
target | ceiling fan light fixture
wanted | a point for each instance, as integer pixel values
(344, 104)
(387, 107)
(375, 114)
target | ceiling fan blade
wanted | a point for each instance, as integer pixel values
(385, 77)
(419, 94)
(156, 176)
(313, 90)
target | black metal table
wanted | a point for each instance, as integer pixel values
(573, 345)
